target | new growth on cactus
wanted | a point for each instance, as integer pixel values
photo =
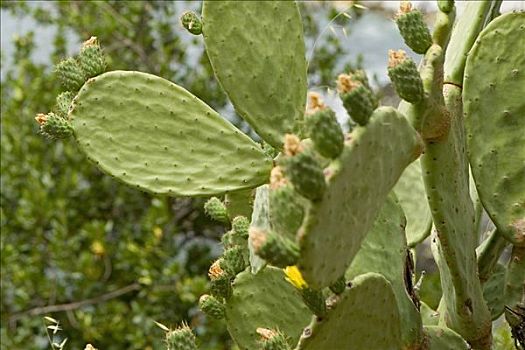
(322, 224)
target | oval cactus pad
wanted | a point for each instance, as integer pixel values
(495, 121)
(155, 135)
(257, 52)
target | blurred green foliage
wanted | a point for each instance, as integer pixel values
(102, 258)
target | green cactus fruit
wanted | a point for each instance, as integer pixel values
(220, 280)
(405, 77)
(240, 226)
(325, 132)
(154, 135)
(272, 340)
(53, 126)
(365, 316)
(191, 22)
(63, 103)
(91, 59)
(413, 28)
(315, 301)
(429, 316)
(181, 338)
(216, 210)
(496, 68)
(261, 64)
(70, 74)
(358, 100)
(276, 249)
(338, 286)
(264, 300)
(211, 306)
(304, 171)
(286, 210)
(233, 260)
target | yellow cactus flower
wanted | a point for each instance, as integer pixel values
(293, 275)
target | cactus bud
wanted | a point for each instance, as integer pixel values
(63, 102)
(211, 306)
(413, 29)
(315, 301)
(70, 74)
(358, 100)
(233, 260)
(54, 126)
(191, 22)
(338, 286)
(91, 58)
(240, 225)
(277, 250)
(286, 210)
(181, 338)
(306, 174)
(220, 280)
(405, 77)
(323, 129)
(272, 340)
(216, 210)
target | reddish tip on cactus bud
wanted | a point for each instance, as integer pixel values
(315, 102)
(258, 238)
(345, 83)
(41, 118)
(266, 333)
(396, 57)
(277, 178)
(292, 145)
(215, 270)
(405, 7)
(93, 41)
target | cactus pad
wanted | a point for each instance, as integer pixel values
(155, 135)
(496, 125)
(264, 300)
(442, 338)
(358, 183)
(260, 63)
(410, 191)
(385, 251)
(364, 317)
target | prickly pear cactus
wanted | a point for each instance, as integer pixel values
(323, 227)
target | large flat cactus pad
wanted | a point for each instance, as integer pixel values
(358, 183)
(257, 52)
(155, 135)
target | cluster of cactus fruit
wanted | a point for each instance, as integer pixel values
(320, 254)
